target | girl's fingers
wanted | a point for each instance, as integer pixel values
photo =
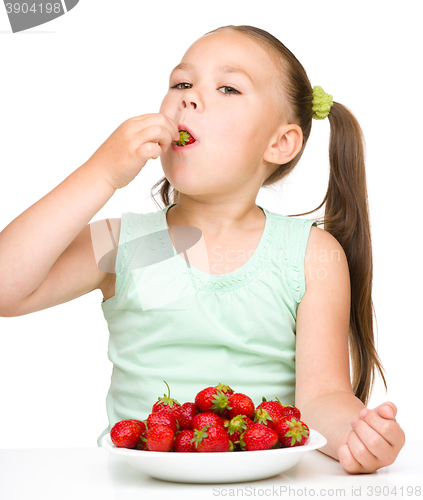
(387, 410)
(387, 428)
(156, 134)
(347, 460)
(153, 119)
(150, 150)
(374, 442)
(366, 461)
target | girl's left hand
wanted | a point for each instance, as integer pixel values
(373, 442)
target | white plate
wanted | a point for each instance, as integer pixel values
(229, 467)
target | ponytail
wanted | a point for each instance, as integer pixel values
(347, 219)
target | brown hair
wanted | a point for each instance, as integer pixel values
(346, 211)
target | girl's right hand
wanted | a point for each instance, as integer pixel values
(122, 156)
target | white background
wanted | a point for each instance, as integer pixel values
(67, 85)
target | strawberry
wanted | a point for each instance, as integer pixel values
(126, 433)
(262, 416)
(225, 389)
(269, 413)
(211, 439)
(184, 138)
(162, 418)
(236, 427)
(166, 403)
(184, 441)
(186, 413)
(207, 418)
(258, 437)
(212, 399)
(142, 443)
(240, 404)
(291, 411)
(176, 411)
(139, 422)
(160, 438)
(292, 432)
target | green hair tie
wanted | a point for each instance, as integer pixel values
(322, 103)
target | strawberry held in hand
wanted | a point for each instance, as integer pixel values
(185, 138)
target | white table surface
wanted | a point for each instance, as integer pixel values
(94, 473)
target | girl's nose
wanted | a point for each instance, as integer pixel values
(192, 98)
(186, 103)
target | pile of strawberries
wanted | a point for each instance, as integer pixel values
(219, 420)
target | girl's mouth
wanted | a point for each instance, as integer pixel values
(185, 138)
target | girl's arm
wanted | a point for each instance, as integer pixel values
(38, 238)
(46, 253)
(324, 393)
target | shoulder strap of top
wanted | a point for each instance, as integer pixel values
(133, 226)
(296, 249)
(126, 232)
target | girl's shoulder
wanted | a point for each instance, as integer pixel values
(105, 234)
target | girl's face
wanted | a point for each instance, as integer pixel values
(225, 94)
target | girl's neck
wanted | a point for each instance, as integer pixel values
(218, 222)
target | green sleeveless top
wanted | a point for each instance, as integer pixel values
(170, 321)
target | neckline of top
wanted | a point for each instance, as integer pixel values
(227, 281)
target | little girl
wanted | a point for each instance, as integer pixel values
(263, 302)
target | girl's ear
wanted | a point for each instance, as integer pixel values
(285, 145)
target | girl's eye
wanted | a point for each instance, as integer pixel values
(235, 91)
(177, 86)
(182, 83)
